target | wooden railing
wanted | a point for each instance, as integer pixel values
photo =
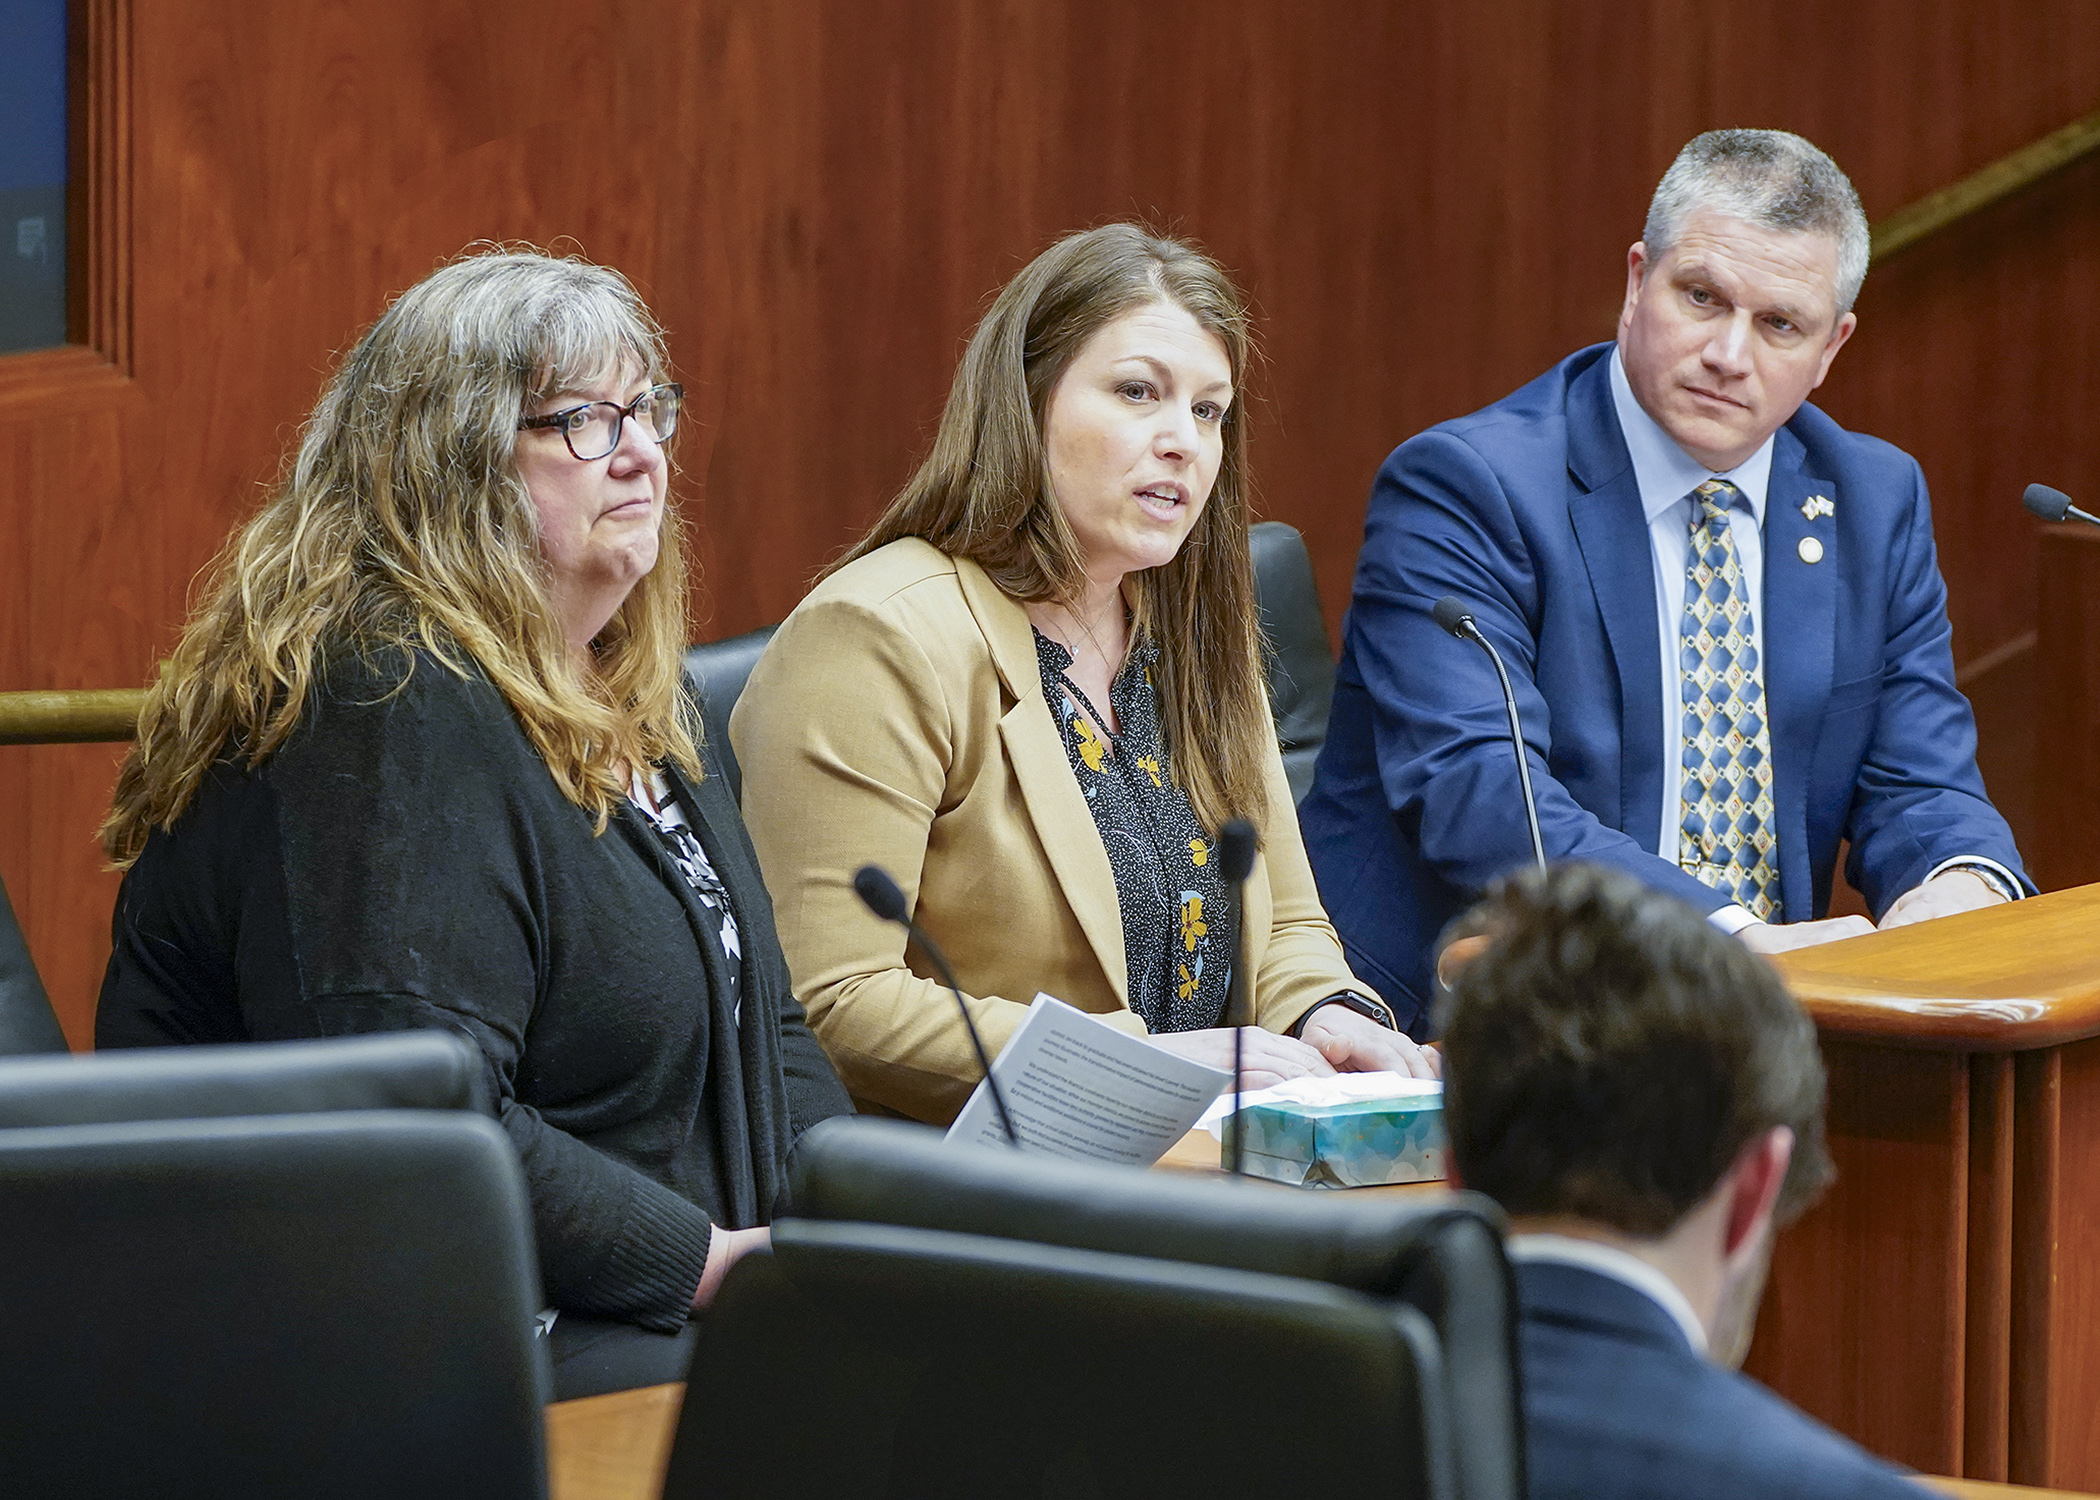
(2001, 179)
(73, 716)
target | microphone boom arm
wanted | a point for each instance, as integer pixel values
(1516, 741)
(1452, 617)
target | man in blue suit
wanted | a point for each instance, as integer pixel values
(1642, 1096)
(1722, 614)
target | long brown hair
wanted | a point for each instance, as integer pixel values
(402, 523)
(984, 493)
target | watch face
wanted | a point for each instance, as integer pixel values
(1364, 1005)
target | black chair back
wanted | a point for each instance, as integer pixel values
(1440, 1253)
(328, 1305)
(1301, 664)
(872, 1360)
(393, 1070)
(718, 671)
(27, 1024)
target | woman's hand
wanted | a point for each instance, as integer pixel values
(1355, 1043)
(1267, 1059)
(725, 1247)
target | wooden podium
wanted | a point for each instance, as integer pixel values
(1941, 1304)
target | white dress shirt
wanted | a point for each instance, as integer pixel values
(1606, 1260)
(1667, 475)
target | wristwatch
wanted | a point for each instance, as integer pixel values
(1362, 1004)
(1988, 876)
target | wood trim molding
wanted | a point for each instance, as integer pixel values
(2007, 175)
(104, 123)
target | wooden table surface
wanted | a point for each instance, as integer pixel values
(612, 1447)
(615, 1447)
(2003, 979)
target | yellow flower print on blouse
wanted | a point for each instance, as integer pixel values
(1186, 985)
(1091, 750)
(1150, 766)
(1192, 924)
(1199, 852)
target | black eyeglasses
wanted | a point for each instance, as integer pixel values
(593, 429)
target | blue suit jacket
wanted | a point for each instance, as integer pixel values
(1528, 512)
(1617, 1404)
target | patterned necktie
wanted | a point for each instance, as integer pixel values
(1726, 837)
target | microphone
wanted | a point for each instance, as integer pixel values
(884, 897)
(1452, 616)
(2054, 505)
(1236, 846)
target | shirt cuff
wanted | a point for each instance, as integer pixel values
(2012, 881)
(1732, 919)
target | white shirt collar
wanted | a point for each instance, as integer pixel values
(1606, 1260)
(1664, 471)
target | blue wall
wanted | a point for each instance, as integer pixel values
(32, 174)
(32, 93)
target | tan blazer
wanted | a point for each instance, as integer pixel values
(898, 718)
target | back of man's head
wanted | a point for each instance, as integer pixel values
(1610, 1053)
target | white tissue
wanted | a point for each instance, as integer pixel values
(1339, 1088)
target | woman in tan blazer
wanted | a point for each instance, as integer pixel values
(1033, 693)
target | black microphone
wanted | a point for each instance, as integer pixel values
(1236, 846)
(884, 897)
(1452, 616)
(2054, 505)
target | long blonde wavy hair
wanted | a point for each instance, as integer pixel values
(401, 523)
(984, 493)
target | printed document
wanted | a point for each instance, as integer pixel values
(1078, 1087)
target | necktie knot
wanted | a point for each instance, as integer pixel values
(1716, 498)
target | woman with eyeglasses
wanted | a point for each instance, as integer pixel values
(425, 758)
(1034, 693)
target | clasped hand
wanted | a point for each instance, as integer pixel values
(1941, 896)
(1336, 1040)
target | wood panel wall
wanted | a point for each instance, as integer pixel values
(1429, 203)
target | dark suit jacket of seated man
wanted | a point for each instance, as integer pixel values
(1559, 518)
(1644, 1098)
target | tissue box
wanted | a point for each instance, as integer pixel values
(1363, 1143)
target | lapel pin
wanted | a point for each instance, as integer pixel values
(1811, 550)
(1817, 505)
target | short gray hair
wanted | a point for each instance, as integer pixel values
(1771, 178)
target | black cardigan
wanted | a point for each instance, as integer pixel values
(405, 860)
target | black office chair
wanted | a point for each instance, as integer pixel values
(393, 1070)
(1301, 664)
(27, 1024)
(325, 1305)
(1441, 1253)
(873, 1360)
(718, 671)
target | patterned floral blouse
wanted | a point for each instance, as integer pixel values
(657, 802)
(1179, 937)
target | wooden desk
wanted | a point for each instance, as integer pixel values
(1942, 1303)
(612, 1447)
(615, 1447)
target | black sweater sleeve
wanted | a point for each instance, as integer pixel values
(423, 859)
(411, 863)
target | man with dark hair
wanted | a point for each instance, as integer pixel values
(1645, 1099)
(1722, 614)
